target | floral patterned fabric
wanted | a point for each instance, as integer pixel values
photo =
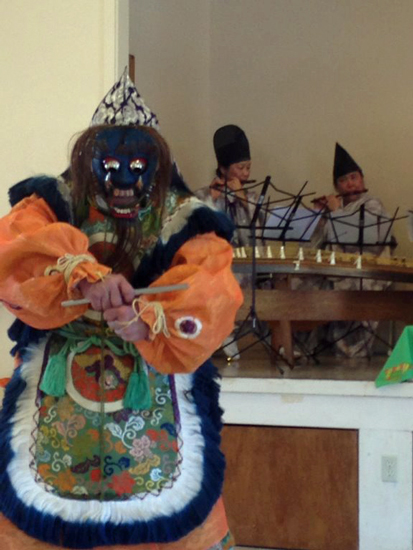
(82, 453)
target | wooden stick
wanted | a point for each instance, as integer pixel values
(138, 292)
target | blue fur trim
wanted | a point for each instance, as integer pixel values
(206, 393)
(54, 530)
(45, 187)
(202, 220)
(24, 335)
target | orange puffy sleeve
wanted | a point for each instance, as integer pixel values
(31, 241)
(194, 321)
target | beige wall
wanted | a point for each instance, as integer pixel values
(58, 58)
(170, 41)
(297, 75)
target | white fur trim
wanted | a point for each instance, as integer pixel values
(177, 221)
(168, 502)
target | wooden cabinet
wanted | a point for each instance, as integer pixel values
(292, 488)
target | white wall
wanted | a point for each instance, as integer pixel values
(297, 75)
(57, 60)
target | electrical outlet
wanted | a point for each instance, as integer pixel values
(389, 468)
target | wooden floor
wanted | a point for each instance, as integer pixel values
(256, 362)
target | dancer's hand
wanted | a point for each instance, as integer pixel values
(124, 322)
(112, 292)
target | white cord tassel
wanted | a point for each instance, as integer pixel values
(66, 264)
(160, 319)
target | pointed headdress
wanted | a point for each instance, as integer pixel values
(344, 163)
(123, 105)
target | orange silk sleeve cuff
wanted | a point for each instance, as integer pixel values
(198, 319)
(31, 243)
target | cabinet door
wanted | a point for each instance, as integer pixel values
(292, 488)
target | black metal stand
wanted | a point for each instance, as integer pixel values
(361, 245)
(252, 324)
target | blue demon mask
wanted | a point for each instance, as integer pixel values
(124, 162)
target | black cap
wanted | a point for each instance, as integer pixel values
(231, 145)
(344, 163)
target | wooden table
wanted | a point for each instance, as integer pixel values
(283, 306)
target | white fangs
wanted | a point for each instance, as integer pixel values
(123, 210)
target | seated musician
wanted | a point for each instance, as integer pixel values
(347, 338)
(226, 190)
(350, 194)
(227, 193)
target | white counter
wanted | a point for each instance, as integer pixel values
(384, 419)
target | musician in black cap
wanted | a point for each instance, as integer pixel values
(350, 194)
(350, 339)
(348, 177)
(227, 193)
(226, 190)
(348, 180)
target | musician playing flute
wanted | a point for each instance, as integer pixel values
(350, 194)
(226, 190)
(351, 339)
(110, 426)
(227, 194)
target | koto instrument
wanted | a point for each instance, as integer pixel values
(283, 306)
(295, 259)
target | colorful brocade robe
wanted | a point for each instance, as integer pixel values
(81, 469)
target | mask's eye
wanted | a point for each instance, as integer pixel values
(138, 165)
(110, 164)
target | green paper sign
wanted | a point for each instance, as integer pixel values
(399, 366)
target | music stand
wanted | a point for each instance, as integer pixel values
(285, 225)
(361, 229)
(254, 325)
